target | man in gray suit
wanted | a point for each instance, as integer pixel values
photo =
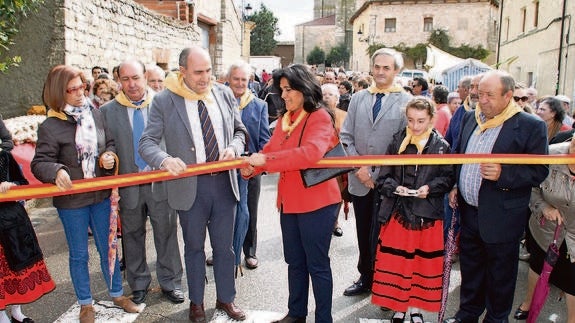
(126, 116)
(373, 117)
(199, 121)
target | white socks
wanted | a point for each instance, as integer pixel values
(16, 312)
(4, 317)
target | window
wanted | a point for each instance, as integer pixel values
(390, 25)
(427, 24)
(523, 19)
(536, 14)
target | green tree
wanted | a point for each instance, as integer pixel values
(374, 47)
(338, 55)
(11, 11)
(316, 56)
(440, 39)
(262, 40)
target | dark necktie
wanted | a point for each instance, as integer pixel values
(210, 141)
(137, 130)
(377, 105)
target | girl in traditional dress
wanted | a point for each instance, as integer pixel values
(24, 277)
(409, 256)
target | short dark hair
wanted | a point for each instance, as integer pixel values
(347, 85)
(555, 106)
(421, 81)
(440, 94)
(301, 78)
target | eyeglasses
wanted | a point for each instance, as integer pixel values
(75, 89)
(522, 98)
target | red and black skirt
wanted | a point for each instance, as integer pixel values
(409, 266)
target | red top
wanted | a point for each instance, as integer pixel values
(283, 155)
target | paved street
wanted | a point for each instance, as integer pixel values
(261, 292)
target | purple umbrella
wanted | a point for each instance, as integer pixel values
(542, 287)
(450, 247)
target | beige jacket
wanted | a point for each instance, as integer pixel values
(558, 190)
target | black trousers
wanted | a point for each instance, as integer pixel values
(251, 241)
(488, 272)
(367, 234)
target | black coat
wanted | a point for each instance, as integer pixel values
(439, 178)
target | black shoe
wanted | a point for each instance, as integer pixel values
(175, 296)
(452, 320)
(25, 320)
(521, 314)
(139, 296)
(398, 317)
(357, 288)
(416, 318)
(210, 261)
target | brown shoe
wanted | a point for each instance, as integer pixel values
(232, 310)
(87, 314)
(251, 262)
(126, 304)
(197, 313)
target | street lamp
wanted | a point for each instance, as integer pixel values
(247, 27)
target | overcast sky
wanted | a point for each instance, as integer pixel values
(288, 12)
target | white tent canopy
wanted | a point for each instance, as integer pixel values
(437, 61)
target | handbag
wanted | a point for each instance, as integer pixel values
(314, 176)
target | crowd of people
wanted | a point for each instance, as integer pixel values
(142, 118)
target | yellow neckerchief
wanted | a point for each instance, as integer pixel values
(373, 89)
(418, 140)
(246, 98)
(509, 111)
(466, 104)
(175, 83)
(286, 120)
(59, 115)
(125, 101)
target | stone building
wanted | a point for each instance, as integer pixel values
(392, 22)
(318, 32)
(330, 27)
(532, 47)
(103, 33)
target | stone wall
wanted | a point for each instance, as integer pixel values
(531, 53)
(103, 32)
(307, 37)
(476, 28)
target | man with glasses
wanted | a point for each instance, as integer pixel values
(420, 87)
(521, 98)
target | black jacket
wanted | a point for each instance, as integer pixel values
(439, 178)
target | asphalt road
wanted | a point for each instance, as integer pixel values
(261, 292)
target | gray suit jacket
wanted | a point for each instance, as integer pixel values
(118, 122)
(362, 136)
(169, 120)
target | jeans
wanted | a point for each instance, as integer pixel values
(76, 222)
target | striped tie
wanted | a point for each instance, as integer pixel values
(377, 105)
(210, 141)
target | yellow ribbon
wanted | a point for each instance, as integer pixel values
(498, 120)
(175, 83)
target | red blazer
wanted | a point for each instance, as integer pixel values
(283, 155)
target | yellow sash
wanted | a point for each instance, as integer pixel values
(175, 83)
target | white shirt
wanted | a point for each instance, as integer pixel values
(217, 123)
